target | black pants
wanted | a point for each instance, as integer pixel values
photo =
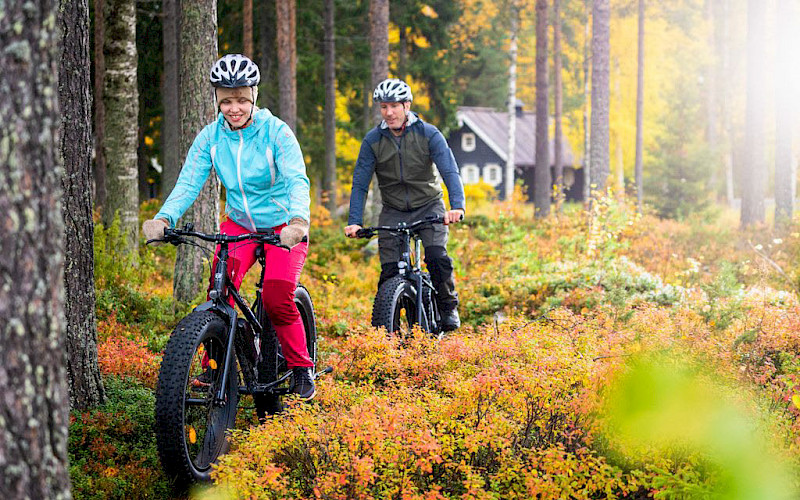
(434, 240)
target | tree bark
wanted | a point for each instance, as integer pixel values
(638, 169)
(587, 144)
(558, 159)
(34, 407)
(121, 99)
(85, 383)
(171, 124)
(543, 184)
(508, 193)
(379, 46)
(784, 178)
(379, 54)
(755, 120)
(287, 61)
(247, 28)
(267, 43)
(199, 51)
(601, 13)
(99, 171)
(329, 180)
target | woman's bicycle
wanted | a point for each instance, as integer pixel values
(408, 298)
(215, 355)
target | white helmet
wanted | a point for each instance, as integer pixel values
(392, 90)
(235, 70)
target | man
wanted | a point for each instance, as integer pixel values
(401, 151)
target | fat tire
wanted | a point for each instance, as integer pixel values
(170, 409)
(395, 295)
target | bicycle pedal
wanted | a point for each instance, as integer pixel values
(327, 370)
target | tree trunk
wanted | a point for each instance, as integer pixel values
(587, 144)
(99, 171)
(171, 124)
(508, 194)
(329, 181)
(379, 54)
(755, 119)
(558, 159)
(85, 383)
(266, 43)
(543, 184)
(287, 62)
(601, 13)
(726, 117)
(34, 407)
(247, 28)
(638, 169)
(379, 46)
(784, 178)
(121, 99)
(199, 42)
(712, 100)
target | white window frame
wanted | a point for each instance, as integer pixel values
(488, 169)
(470, 174)
(468, 142)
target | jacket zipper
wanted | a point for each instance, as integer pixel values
(239, 176)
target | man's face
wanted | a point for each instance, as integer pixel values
(394, 113)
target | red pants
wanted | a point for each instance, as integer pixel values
(283, 269)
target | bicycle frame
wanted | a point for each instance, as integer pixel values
(218, 299)
(413, 270)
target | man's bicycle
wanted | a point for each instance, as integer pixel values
(408, 298)
(213, 356)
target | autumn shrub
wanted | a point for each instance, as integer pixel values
(491, 414)
(127, 356)
(112, 450)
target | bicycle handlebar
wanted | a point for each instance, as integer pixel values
(403, 227)
(176, 237)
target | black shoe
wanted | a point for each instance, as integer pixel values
(303, 384)
(450, 320)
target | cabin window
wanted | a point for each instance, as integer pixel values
(492, 174)
(468, 142)
(470, 174)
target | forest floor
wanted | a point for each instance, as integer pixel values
(603, 355)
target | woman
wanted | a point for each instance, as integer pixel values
(258, 160)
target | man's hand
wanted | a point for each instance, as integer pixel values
(351, 230)
(294, 233)
(452, 216)
(153, 229)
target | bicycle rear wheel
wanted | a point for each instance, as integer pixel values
(190, 427)
(395, 307)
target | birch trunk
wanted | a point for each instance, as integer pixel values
(121, 99)
(511, 105)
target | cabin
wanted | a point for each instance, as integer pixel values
(480, 147)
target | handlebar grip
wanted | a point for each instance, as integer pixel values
(365, 233)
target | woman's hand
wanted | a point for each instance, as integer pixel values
(294, 233)
(153, 229)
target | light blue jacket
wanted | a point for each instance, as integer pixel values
(261, 167)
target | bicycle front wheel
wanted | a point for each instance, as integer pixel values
(395, 307)
(190, 427)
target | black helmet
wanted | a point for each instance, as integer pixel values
(392, 90)
(235, 70)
